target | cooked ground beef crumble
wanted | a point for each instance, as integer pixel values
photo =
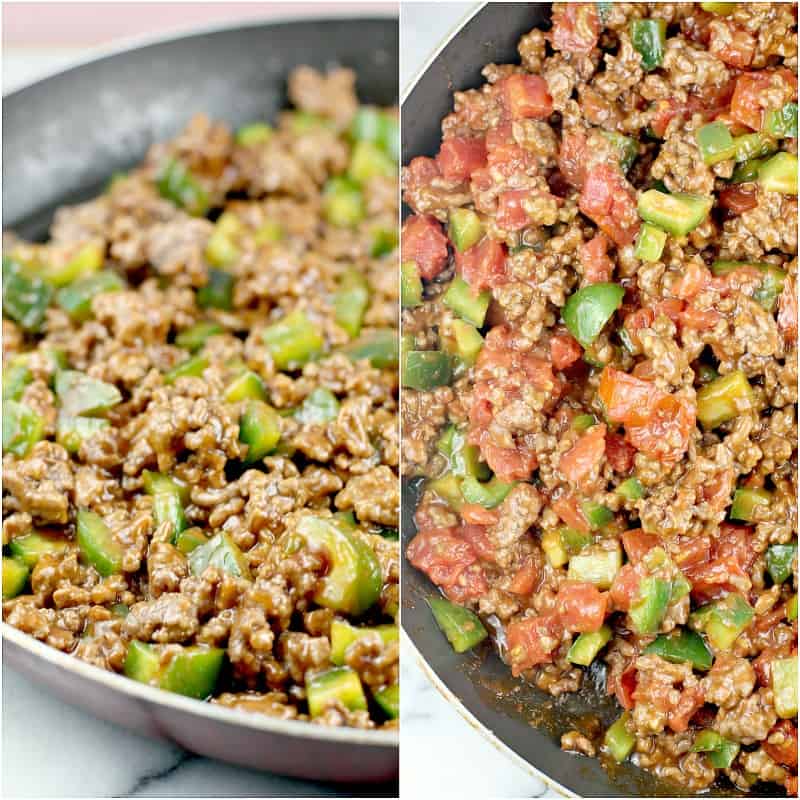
(600, 376)
(200, 430)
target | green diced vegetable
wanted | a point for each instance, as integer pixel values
(682, 645)
(448, 487)
(15, 576)
(338, 685)
(782, 122)
(410, 285)
(715, 142)
(779, 561)
(462, 628)
(343, 203)
(81, 394)
(76, 299)
(25, 297)
(745, 501)
(192, 339)
(176, 184)
(426, 369)
(97, 544)
(293, 341)
(384, 241)
(218, 292)
(767, 294)
(468, 342)
(464, 458)
(351, 302)
(619, 741)
(779, 174)
(22, 428)
(221, 552)
(631, 489)
(191, 368)
(678, 214)
(189, 540)
(247, 386)
(585, 648)
(254, 133)
(320, 407)
(16, 376)
(597, 515)
(370, 161)
(28, 549)
(784, 686)
(460, 298)
(86, 261)
(259, 429)
(649, 243)
(343, 634)
(268, 233)
(648, 609)
(301, 122)
(748, 171)
(588, 310)
(381, 347)
(627, 148)
(72, 432)
(720, 751)
(388, 699)
(649, 40)
(724, 399)
(574, 541)
(554, 549)
(719, 8)
(167, 504)
(595, 565)
(791, 608)
(465, 228)
(371, 124)
(142, 662)
(352, 584)
(723, 620)
(582, 422)
(488, 495)
(750, 146)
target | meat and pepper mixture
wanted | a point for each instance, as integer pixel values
(200, 438)
(599, 282)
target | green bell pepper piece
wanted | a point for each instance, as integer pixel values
(192, 671)
(573, 541)
(167, 497)
(448, 488)
(745, 501)
(28, 549)
(466, 342)
(750, 146)
(88, 260)
(410, 285)
(247, 386)
(678, 214)
(371, 124)
(76, 299)
(582, 422)
(72, 432)
(631, 489)
(554, 549)
(221, 552)
(488, 495)
(351, 302)
(191, 368)
(724, 399)
(176, 184)
(426, 369)
(597, 566)
(22, 428)
(597, 515)
(619, 741)
(461, 300)
(648, 609)
(784, 686)
(588, 310)
(189, 540)
(16, 376)
(343, 203)
(723, 9)
(319, 408)
(81, 394)
(715, 142)
(779, 174)
(97, 544)
(779, 561)
(463, 629)
(585, 648)
(464, 458)
(343, 634)
(381, 347)
(192, 339)
(25, 297)
(384, 241)
(649, 243)
(369, 161)
(781, 122)
(259, 429)
(649, 40)
(268, 232)
(791, 608)
(748, 171)
(723, 620)
(720, 751)
(254, 133)
(353, 582)
(465, 228)
(680, 646)
(337, 685)
(301, 122)
(627, 148)
(388, 699)
(293, 341)
(15, 576)
(218, 292)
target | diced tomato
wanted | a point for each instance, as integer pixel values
(509, 159)
(525, 578)
(581, 462)
(609, 201)
(691, 550)
(625, 587)
(469, 585)
(626, 399)
(700, 319)
(787, 311)
(747, 96)
(479, 540)
(786, 752)
(665, 435)
(569, 512)
(692, 280)
(645, 317)
(572, 158)
(483, 266)
(500, 135)
(441, 555)
(731, 44)
(727, 567)
(459, 157)
(691, 698)
(737, 199)
(638, 544)
(508, 463)
(581, 606)
(718, 489)
(625, 687)
(597, 265)
(532, 640)
(423, 241)
(619, 453)
(565, 349)
(511, 216)
(576, 27)
(526, 96)
(736, 541)
(790, 784)
(473, 514)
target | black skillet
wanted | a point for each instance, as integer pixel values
(513, 714)
(62, 139)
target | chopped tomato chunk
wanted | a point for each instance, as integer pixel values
(576, 27)
(580, 464)
(566, 506)
(610, 202)
(597, 265)
(638, 544)
(532, 640)
(525, 578)
(441, 555)
(572, 158)
(469, 585)
(527, 96)
(732, 44)
(474, 514)
(581, 606)
(478, 539)
(691, 699)
(747, 97)
(509, 159)
(624, 687)
(727, 567)
(459, 157)
(625, 587)
(625, 398)
(737, 199)
(692, 280)
(565, 349)
(483, 266)
(511, 215)
(423, 241)
(619, 453)
(665, 434)
(420, 172)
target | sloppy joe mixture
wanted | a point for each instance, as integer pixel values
(600, 370)
(200, 440)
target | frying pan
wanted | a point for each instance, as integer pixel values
(62, 139)
(514, 715)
